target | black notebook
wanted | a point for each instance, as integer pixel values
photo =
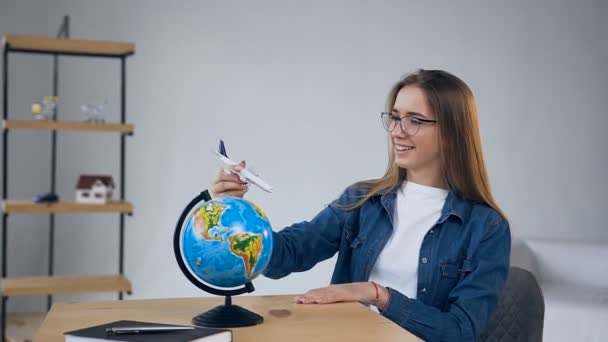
(100, 333)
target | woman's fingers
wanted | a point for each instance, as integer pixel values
(316, 296)
(351, 292)
(228, 183)
(225, 175)
(227, 188)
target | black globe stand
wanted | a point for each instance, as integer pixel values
(222, 316)
(227, 316)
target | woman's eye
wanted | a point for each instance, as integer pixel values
(416, 121)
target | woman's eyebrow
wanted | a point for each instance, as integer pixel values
(410, 113)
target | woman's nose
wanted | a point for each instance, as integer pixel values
(398, 132)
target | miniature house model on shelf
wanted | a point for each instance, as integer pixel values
(95, 189)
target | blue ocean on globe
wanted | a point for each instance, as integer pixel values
(226, 242)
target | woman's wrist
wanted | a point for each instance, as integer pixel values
(377, 295)
(382, 296)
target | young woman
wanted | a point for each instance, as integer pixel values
(426, 244)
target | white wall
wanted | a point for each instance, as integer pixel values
(296, 89)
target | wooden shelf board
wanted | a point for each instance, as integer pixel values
(37, 286)
(67, 126)
(68, 46)
(17, 206)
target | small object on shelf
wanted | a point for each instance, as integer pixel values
(94, 189)
(44, 110)
(93, 111)
(48, 197)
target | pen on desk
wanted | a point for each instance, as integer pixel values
(145, 329)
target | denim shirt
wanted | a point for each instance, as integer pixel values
(462, 268)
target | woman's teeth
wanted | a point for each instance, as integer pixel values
(403, 148)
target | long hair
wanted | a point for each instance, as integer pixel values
(463, 166)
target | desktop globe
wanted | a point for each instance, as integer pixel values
(226, 242)
(221, 245)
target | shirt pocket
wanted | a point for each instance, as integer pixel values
(453, 268)
(450, 270)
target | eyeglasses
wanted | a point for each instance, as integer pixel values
(408, 124)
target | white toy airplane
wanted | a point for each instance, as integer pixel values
(244, 174)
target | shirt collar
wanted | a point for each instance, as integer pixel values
(454, 205)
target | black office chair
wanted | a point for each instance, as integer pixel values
(520, 312)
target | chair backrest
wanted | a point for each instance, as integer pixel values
(520, 312)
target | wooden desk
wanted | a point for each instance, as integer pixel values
(283, 319)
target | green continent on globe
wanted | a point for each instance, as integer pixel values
(259, 211)
(248, 247)
(207, 218)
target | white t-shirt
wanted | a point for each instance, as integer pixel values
(417, 209)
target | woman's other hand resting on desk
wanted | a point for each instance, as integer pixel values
(367, 293)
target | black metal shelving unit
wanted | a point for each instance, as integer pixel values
(55, 47)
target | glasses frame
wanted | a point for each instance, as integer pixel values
(395, 118)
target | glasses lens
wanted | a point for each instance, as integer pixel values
(409, 126)
(387, 121)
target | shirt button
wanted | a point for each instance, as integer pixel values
(431, 232)
(425, 260)
(423, 290)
